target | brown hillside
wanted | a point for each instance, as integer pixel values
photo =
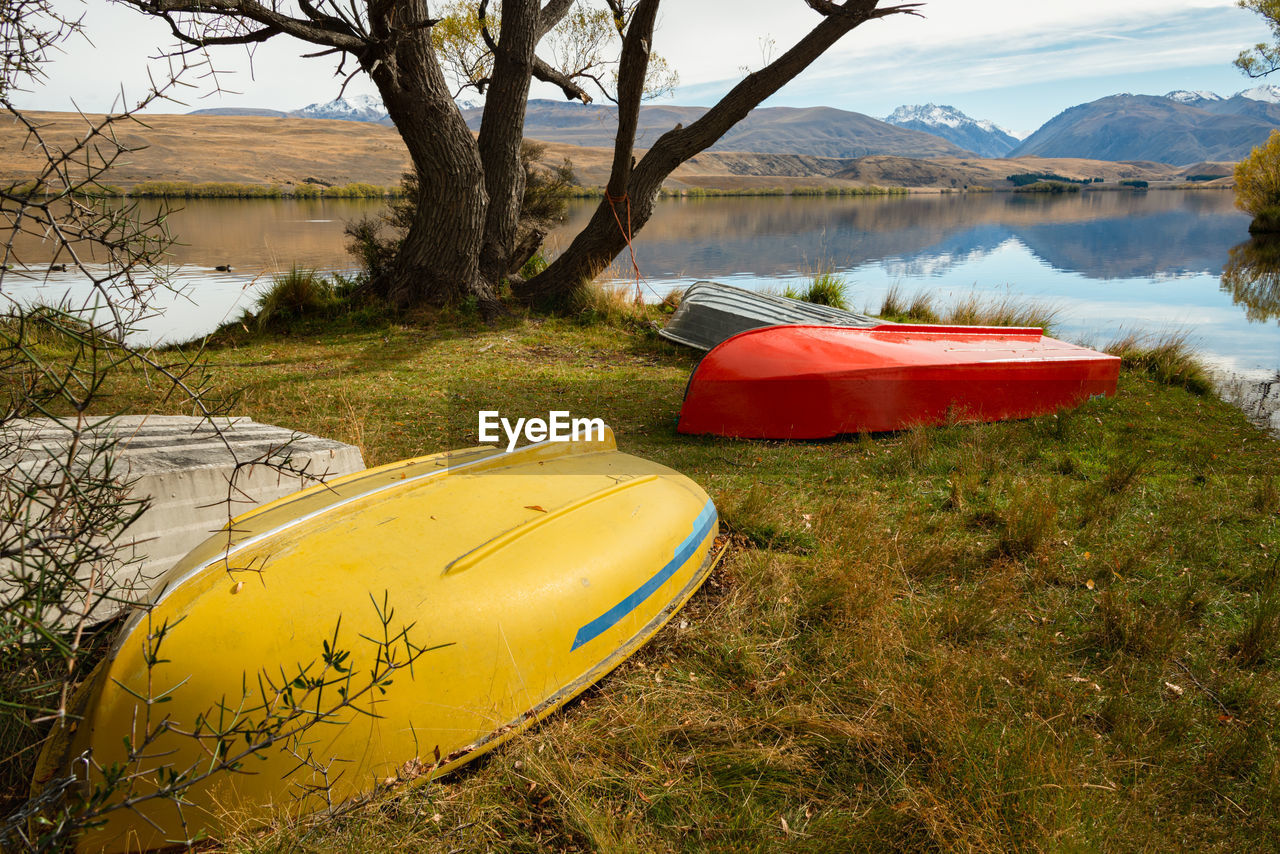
(249, 149)
(263, 150)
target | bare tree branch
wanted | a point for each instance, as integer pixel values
(329, 31)
(482, 12)
(572, 91)
(862, 10)
(251, 37)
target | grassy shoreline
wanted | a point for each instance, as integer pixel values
(1055, 633)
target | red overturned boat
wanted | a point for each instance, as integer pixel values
(814, 382)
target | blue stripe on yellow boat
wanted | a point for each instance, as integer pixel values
(701, 526)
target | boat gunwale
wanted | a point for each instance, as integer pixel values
(1075, 354)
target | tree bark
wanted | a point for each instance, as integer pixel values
(438, 260)
(502, 132)
(632, 190)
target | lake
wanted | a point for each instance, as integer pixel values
(1112, 262)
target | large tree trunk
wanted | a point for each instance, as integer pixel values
(438, 261)
(501, 134)
(622, 212)
(633, 187)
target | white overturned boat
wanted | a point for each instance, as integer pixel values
(712, 312)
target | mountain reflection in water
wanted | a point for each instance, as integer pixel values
(1112, 262)
(1101, 235)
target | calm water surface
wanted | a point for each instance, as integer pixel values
(1111, 262)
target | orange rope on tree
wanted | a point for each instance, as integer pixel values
(626, 233)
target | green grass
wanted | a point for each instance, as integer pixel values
(827, 288)
(1051, 634)
(294, 295)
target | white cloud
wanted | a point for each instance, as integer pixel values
(973, 28)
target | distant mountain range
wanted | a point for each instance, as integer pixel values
(357, 108)
(817, 131)
(1181, 127)
(983, 137)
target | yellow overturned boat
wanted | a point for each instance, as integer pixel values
(383, 628)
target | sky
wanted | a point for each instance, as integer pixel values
(1015, 62)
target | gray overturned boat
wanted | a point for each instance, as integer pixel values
(712, 312)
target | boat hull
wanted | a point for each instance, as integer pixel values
(520, 579)
(815, 382)
(711, 312)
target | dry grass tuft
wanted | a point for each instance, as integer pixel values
(976, 310)
(1167, 359)
(1259, 640)
(1267, 497)
(894, 304)
(1124, 624)
(672, 300)
(970, 310)
(610, 304)
(918, 445)
(922, 309)
(1028, 521)
(764, 522)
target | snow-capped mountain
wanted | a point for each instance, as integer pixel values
(1261, 104)
(1267, 94)
(357, 108)
(980, 136)
(1182, 96)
